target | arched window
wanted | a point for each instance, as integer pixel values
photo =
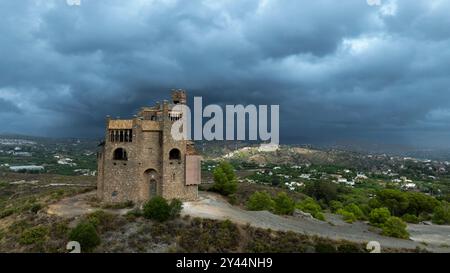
(120, 154)
(175, 154)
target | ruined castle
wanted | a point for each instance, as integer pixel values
(139, 159)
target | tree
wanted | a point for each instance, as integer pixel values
(322, 190)
(379, 216)
(260, 201)
(86, 234)
(176, 206)
(410, 218)
(336, 205)
(395, 200)
(348, 217)
(275, 181)
(353, 208)
(160, 210)
(311, 206)
(441, 215)
(284, 204)
(419, 202)
(157, 209)
(225, 181)
(395, 227)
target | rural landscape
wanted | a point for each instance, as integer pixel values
(272, 199)
(225, 135)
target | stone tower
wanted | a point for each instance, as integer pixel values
(139, 159)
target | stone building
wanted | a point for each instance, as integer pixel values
(139, 159)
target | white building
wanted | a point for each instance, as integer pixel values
(26, 168)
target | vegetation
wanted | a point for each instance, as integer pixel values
(410, 218)
(412, 207)
(348, 217)
(160, 210)
(336, 205)
(210, 236)
(121, 205)
(441, 214)
(34, 235)
(395, 227)
(86, 234)
(322, 190)
(225, 181)
(260, 201)
(355, 210)
(311, 206)
(284, 205)
(379, 216)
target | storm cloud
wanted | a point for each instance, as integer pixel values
(340, 70)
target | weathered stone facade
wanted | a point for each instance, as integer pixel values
(139, 158)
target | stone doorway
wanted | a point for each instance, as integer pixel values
(152, 178)
(152, 189)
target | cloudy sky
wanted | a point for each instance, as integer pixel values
(340, 70)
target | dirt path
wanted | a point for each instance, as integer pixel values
(78, 205)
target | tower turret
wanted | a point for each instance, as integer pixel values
(178, 96)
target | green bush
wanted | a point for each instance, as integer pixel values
(35, 207)
(322, 190)
(61, 229)
(232, 199)
(6, 212)
(284, 205)
(225, 181)
(325, 248)
(86, 234)
(336, 205)
(410, 218)
(395, 200)
(379, 216)
(348, 217)
(400, 203)
(101, 220)
(311, 206)
(158, 209)
(260, 201)
(34, 235)
(349, 248)
(176, 206)
(441, 215)
(353, 208)
(395, 227)
(121, 205)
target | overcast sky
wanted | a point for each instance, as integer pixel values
(340, 70)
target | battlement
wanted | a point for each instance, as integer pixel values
(178, 96)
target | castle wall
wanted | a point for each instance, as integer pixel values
(148, 159)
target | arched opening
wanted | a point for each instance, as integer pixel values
(174, 154)
(120, 154)
(152, 178)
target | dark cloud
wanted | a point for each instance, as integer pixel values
(340, 70)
